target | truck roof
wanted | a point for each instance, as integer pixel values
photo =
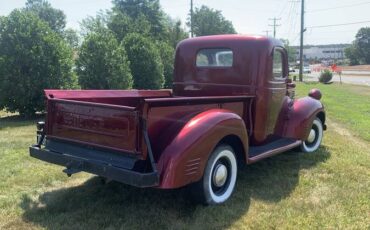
(249, 53)
(234, 39)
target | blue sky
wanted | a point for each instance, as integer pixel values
(248, 17)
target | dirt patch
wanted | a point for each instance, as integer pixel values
(348, 134)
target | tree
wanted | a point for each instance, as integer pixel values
(55, 18)
(359, 51)
(121, 24)
(71, 37)
(97, 24)
(207, 21)
(103, 63)
(351, 54)
(32, 57)
(362, 44)
(144, 17)
(290, 50)
(147, 10)
(175, 32)
(145, 62)
(168, 57)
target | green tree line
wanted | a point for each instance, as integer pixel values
(131, 45)
(359, 51)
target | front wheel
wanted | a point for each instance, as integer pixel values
(219, 179)
(313, 141)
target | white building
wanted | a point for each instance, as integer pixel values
(323, 52)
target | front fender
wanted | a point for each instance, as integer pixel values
(184, 159)
(301, 116)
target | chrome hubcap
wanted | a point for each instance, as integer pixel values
(220, 175)
(311, 136)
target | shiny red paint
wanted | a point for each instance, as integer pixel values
(167, 117)
(315, 93)
(301, 115)
(100, 125)
(242, 105)
(100, 118)
(184, 159)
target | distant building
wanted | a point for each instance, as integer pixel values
(322, 52)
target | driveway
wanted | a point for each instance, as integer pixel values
(363, 79)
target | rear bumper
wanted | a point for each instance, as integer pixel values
(76, 163)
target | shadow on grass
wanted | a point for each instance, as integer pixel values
(14, 121)
(114, 205)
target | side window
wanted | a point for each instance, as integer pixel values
(214, 58)
(278, 65)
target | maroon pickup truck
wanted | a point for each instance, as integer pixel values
(231, 103)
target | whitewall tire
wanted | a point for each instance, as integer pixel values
(219, 177)
(313, 141)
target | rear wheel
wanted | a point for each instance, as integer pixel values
(219, 177)
(313, 141)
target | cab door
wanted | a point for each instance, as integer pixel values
(271, 96)
(277, 88)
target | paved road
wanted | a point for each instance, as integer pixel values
(351, 79)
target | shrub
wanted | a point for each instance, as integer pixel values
(32, 57)
(145, 62)
(325, 76)
(103, 63)
(167, 54)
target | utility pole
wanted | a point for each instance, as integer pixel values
(191, 18)
(301, 44)
(274, 25)
(267, 32)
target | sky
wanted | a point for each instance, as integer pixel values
(247, 16)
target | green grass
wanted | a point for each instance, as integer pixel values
(325, 190)
(347, 104)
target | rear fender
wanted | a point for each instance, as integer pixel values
(301, 116)
(184, 159)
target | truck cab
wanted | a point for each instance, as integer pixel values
(232, 103)
(254, 66)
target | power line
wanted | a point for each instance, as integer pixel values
(283, 9)
(338, 7)
(274, 25)
(343, 24)
(296, 37)
(291, 19)
(301, 43)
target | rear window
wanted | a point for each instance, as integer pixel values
(215, 58)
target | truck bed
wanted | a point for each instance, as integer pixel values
(106, 119)
(112, 119)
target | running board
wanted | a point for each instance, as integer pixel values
(276, 147)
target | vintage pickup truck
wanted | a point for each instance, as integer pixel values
(231, 104)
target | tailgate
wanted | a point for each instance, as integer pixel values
(101, 125)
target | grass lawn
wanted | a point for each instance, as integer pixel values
(329, 189)
(347, 104)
